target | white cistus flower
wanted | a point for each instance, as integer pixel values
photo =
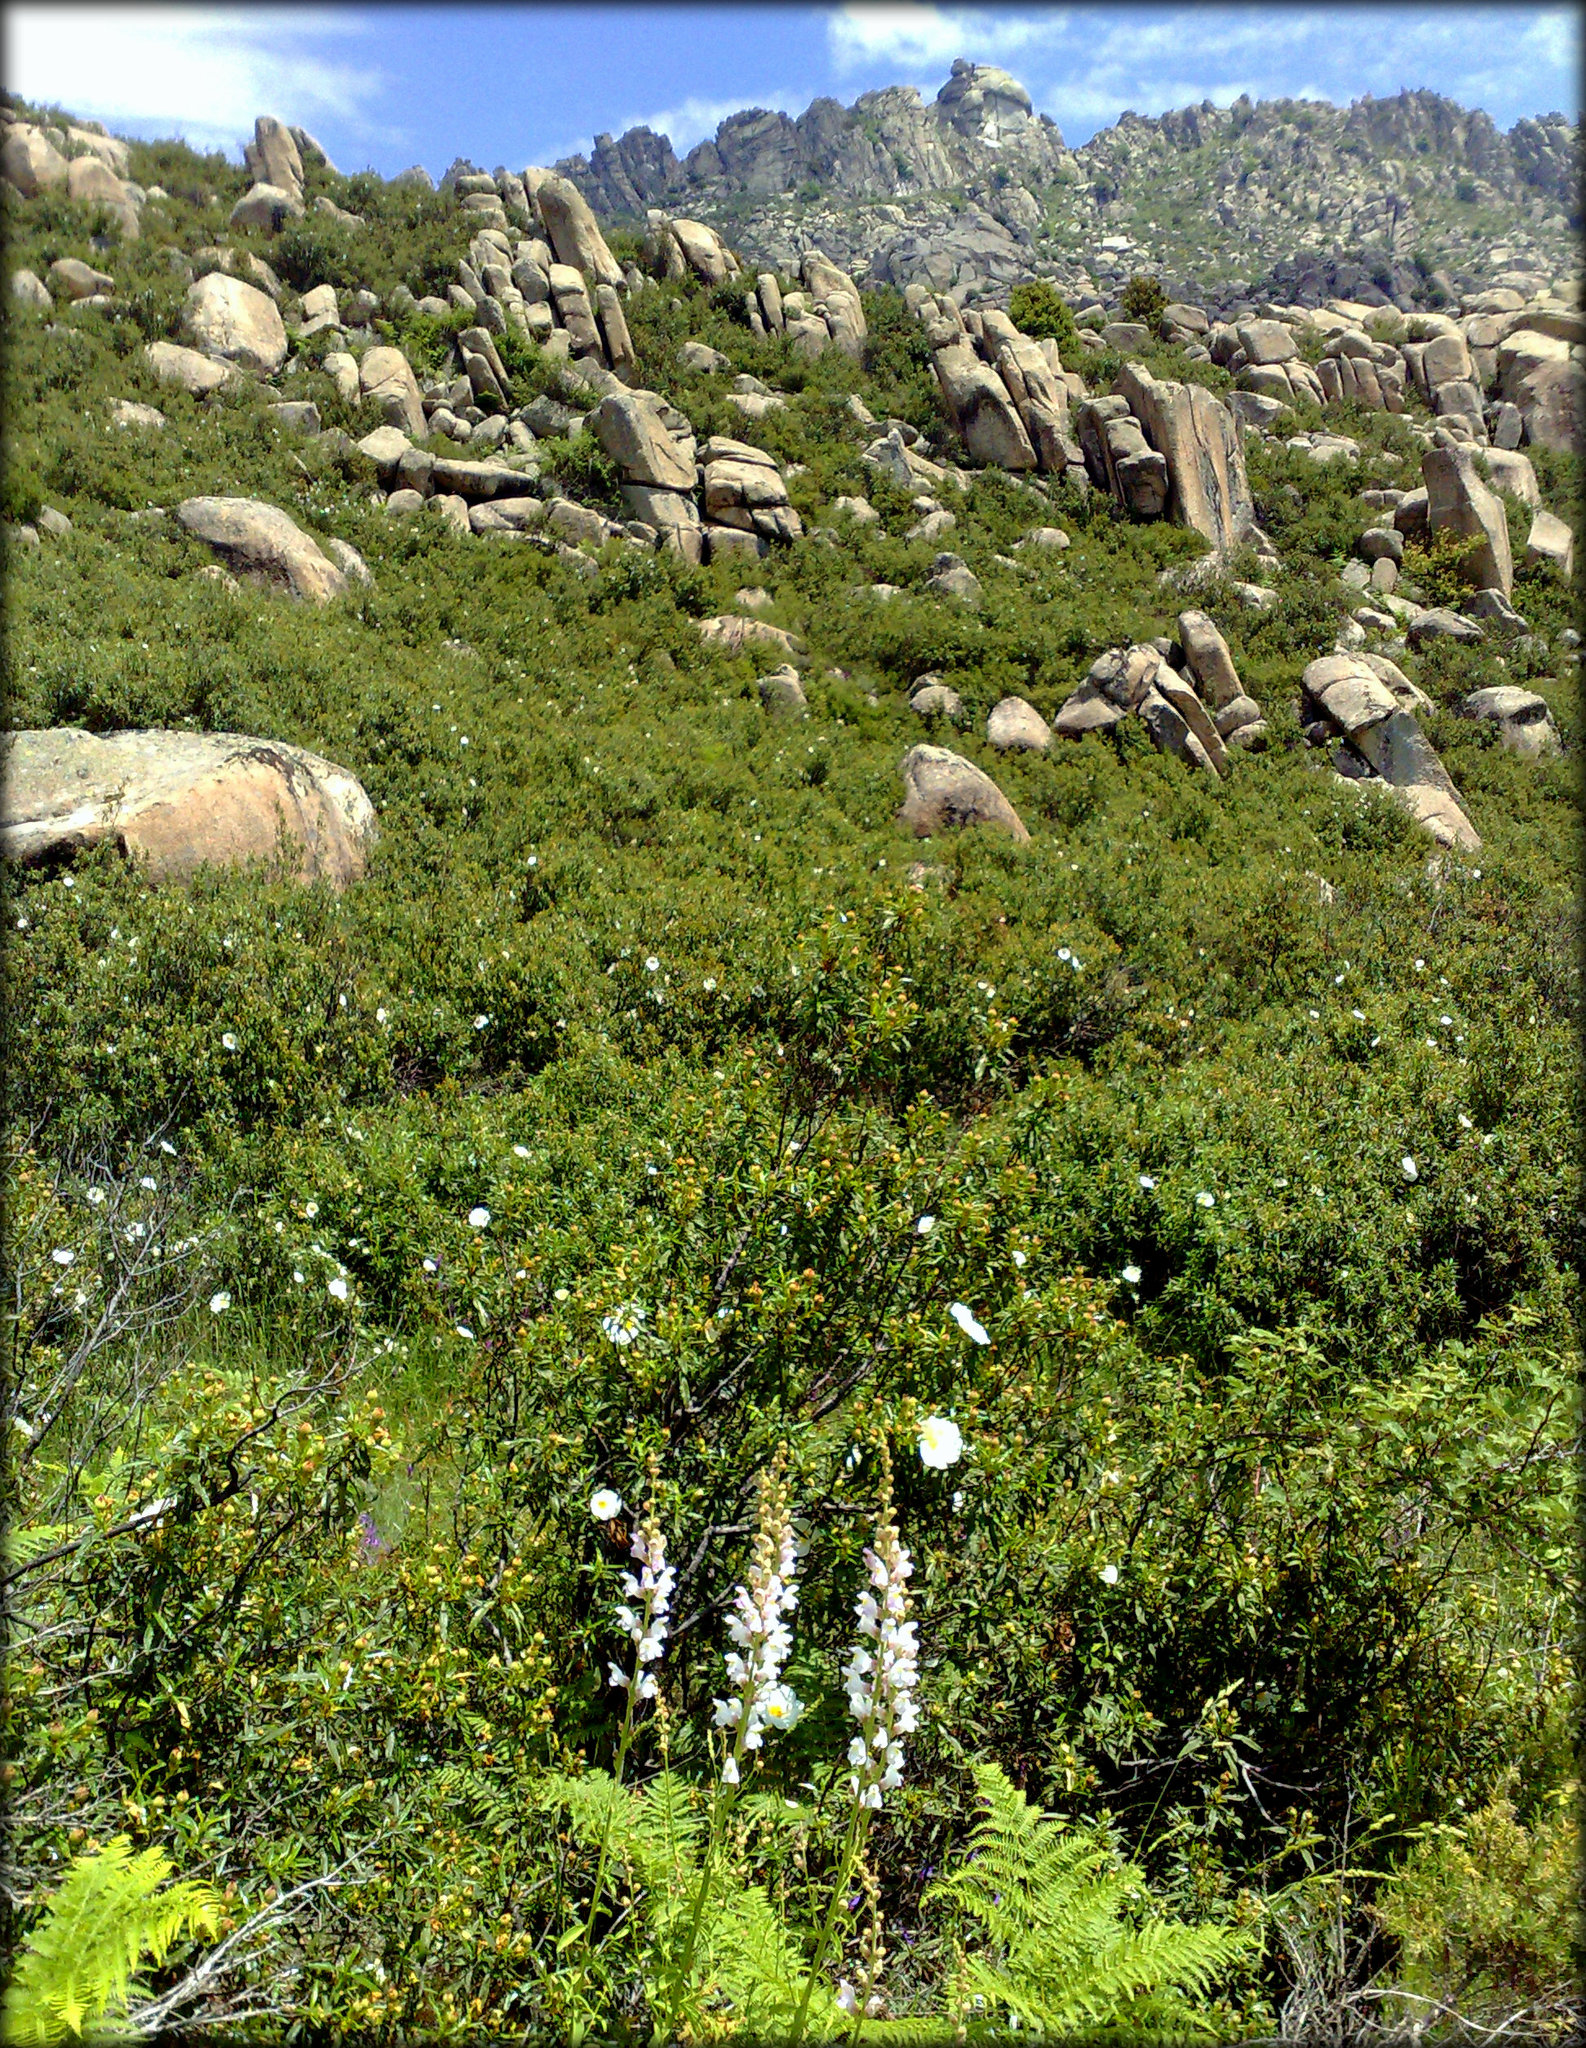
(651, 1594)
(941, 1443)
(884, 1669)
(622, 1326)
(762, 1639)
(605, 1504)
(967, 1321)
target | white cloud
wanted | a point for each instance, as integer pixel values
(693, 119)
(865, 34)
(203, 72)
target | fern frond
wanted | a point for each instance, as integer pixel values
(1059, 1953)
(108, 1915)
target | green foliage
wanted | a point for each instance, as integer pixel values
(1059, 1952)
(1486, 1915)
(1144, 300)
(74, 1977)
(1039, 309)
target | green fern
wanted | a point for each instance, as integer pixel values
(76, 1973)
(748, 1972)
(1059, 1955)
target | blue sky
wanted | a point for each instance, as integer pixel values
(387, 86)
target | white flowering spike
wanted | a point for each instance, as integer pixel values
(881, 1682)
(941, 1443)
(650, 1592)
(762, 1640)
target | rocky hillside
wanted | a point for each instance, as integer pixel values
(1406, 199)
(686, 914)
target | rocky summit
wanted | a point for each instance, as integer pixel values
(1402, 199)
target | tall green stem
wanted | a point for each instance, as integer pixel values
(857, 1829)
(619, 1763)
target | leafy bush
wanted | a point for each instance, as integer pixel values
(1144, 300)
(1039, 309)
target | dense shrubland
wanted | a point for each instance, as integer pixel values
(638, 1119)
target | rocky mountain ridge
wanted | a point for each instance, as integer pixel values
(1409, 198)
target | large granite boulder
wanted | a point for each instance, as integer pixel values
(1137, 682)
(386, 377)
(263, 543)
(1199, 439)
(982, 409)
(1525, 724)
(91, 182)
(31, 161)
(173, 364)
(232, 321)
(1015, 725)
(574, 232)
(1118, 457)
(630, 430)
(176, 801)
(267, 208)
(1458, 502)
(835, 297)
(273, 158)
(1381, 734)
(943, 792)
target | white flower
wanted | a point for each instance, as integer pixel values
(146, 1182)
(229, 1040)
(622, 1326)
(941, 1443)
(651, 965)
(337, 1289)
(1131, 1276)
(462, 1330)
(1147, 1182)
(1206, 1201)
(965, 1320)
(219, 1303)
(710, 984)
(520, 1151)
(297, 1276)
(62, 1256)
(1408, 1168)
(958, 1500)
(478, 1218)
(167, 1147)
(925, 1226)
(880, 1685)
(311, 1210)
(96, 1196)
(480, 1023)
(1020, 1259)
(605, 1504)
(1109, 1575)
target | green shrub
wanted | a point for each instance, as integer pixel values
(1038, 308)
(1144, 300)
